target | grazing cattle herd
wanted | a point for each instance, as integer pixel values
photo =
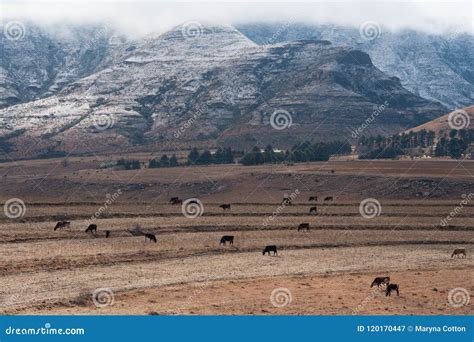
(379, 282)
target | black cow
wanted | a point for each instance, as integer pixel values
(62, 224)
(92, 228)
(458, 252)
(286, 201)
(380, 281)
(150, 237)
(303, 226)
(225, 238)
(176, 201)
(107, 234)
(313, 198)
(313, 210)
(329, 198)
(390, 288)
(225, 206)
(269, 249)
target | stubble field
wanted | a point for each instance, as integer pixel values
(326, 270)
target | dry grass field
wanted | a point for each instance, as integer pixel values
(326, 270)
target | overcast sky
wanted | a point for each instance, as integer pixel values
(143, 17)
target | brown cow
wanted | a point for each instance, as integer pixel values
(62, 224)
(380, 281)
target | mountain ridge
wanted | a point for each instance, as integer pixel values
(156, 85)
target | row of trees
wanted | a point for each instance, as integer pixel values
(422, 138)
(164, 161)
(221, 156)
(453, 143)
(303, 152)
(299, 153)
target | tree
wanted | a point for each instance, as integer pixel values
(173, 160)
(205, 158)
(164, 161)
(193, 156)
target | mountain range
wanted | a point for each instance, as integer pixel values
(89, 89)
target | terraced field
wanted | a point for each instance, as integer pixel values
(326, 270)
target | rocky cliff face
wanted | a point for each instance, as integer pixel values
(435, 67)
(212, 84)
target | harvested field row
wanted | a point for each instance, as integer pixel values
(66, 285)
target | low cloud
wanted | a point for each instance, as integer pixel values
(145, 17)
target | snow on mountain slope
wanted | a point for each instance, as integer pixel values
(227, 85)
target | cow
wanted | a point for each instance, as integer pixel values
(225, 238)
(390, 288)
(150, 237)
(328, 198)
(286, 201)
(225, 206)
(303, 226)
(380, 281)
(271, 248)
(313, 210)
(92, 228)
(107, 234)
(62, 224)
(458, 252)
(313, 198)
(176, 201)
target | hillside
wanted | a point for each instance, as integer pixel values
(463, 118)
(177, 90)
